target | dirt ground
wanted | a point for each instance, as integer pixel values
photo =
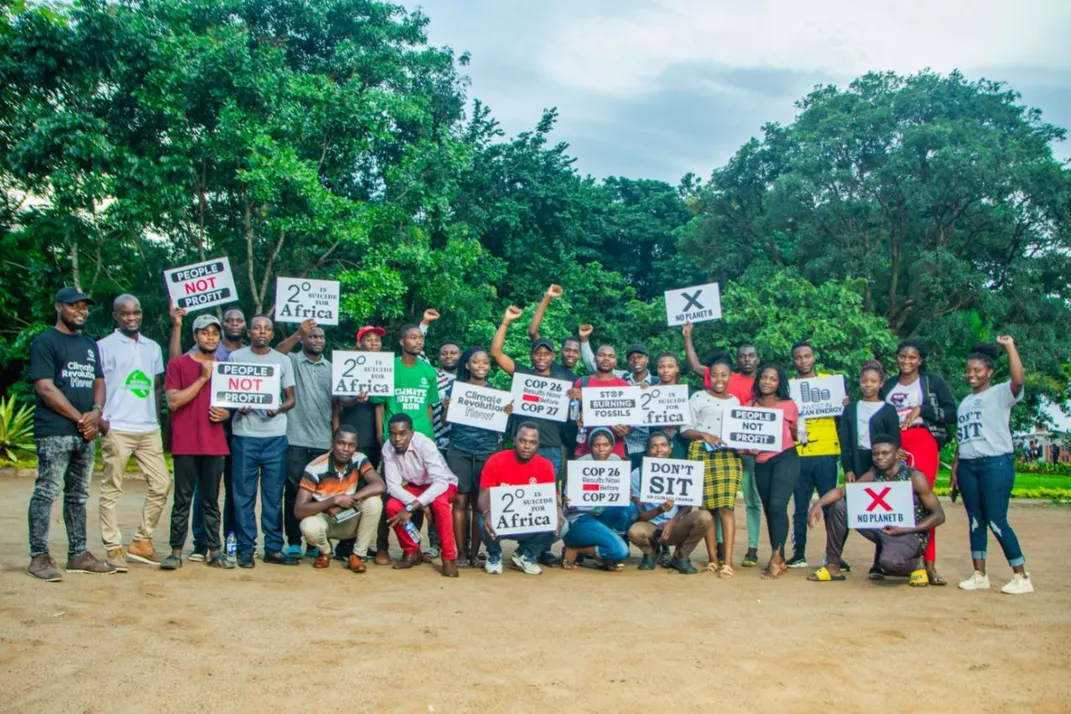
(207, 640)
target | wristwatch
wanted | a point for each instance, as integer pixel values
(409, 507)
(98, 407)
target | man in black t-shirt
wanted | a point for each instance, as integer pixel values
(68, 380)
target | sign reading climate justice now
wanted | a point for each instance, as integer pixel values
(300, 299)
(236, 385)
(818, 396)
(524, 509)
(755, 428)
(698, 303)
(542, 397)
(666, 406)
(202, 284)
(611, 406)
(677, 480)
(478, 406)
(598, 483)
(877, 504)
(356, 373)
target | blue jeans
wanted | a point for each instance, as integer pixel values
(259, 461)
(986, 485)
(529, 545)
(590, 530)
(817, 473)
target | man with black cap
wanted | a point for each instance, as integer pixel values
(68, 380)
(638, 376)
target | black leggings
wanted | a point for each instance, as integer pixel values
(776, 480)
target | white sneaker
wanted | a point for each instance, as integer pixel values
(977, 581)
(528, 567)
(493, 566)
(1018, 585)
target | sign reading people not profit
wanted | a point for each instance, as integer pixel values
(611, 406)
(541, 397)
(478, 406)
(236, 385)
(200, 285)
(677, 480)
(876, 504)
(598, 483)
(753, 428)
(300, 299)
(698, 303)
(666, 406)
(357, 373)
(524, 509)
(818, 396)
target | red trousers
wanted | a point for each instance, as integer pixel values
(441, 511)
(925, 456)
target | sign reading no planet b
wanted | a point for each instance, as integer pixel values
(818, 396)
(236, 385)
(598, 483)
(611, 406)
(300, 299)
(677, 480)
(698, 303)
(755, 428)
(666, 405)
(356, 373)
(524, 509)
(200, 285)
(541, 397)
(478, 406)
(876, 504)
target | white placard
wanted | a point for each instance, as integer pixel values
(524, 509)
(356, 373)
(598, 483)
(478, 406)
(540, 397)
(876, 504)
(237, 384)
(612, 406)
(679, 480)
(818, 396)
(201, 285)
(666, 406)
(300, 299)
(755, 428)
(698, 303)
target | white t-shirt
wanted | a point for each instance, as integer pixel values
(864, 411)
(905, 397)
(130, 370)
(983, 422)
(708, 412)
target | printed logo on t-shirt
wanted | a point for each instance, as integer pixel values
(91, 356)
(970, 421)
(139, 384)
(411, 400)
(79, 375)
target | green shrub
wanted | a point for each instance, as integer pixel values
(16, 430)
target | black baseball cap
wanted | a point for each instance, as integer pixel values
(542, 342)
(70, 295)
(636, 348)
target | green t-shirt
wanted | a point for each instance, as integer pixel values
(415, 389)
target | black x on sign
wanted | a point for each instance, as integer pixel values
(697, 303)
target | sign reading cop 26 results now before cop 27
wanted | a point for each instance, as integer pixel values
(482, 407)
(300, 299)
(524, 509)
(357, 373)
(876, 504)
(679, 480)
(193, 287)
(236, 385)
(541, 397)
(818, 396)
(755, 428)
(598, 483)
(610, 406)
(698, 303)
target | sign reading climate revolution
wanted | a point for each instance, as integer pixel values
(357, 373)
(666, 406)
(610, 406)
(478, 406)
(236, 385)
(677, 480)
(818, 396)
(202, 284)
(524, 509)
(698, 303)
(598, 483)
(876, 504)
(542, 397)
(300, 299)
(753, 428)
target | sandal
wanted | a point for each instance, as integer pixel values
(936, 579)
(568, 564)
(876, 573)
(770, 574)
(726, 572)
(711, 568)
(918, 579)
(822, 575)
(216, 561)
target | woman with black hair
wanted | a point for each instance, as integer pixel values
(984, 470)
(926, 409)
(776, 473)
(862, 419)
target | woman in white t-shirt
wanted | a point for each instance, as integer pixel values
(984, 469)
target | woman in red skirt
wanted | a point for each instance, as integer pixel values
(927, 411)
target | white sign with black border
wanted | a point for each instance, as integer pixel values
(876, 504)
(540, 397)
(300, 299)
(481, 407)
(356, 373)
(612, 406)
(679, 480)
(754, 428)
(524, 509)
(201, 285)
(236, 385)
(699, 303)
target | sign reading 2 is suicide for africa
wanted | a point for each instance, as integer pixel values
(698, 303)
(300, 299)
(202, 284)
(542, 397)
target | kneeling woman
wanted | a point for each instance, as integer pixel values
(593, 530)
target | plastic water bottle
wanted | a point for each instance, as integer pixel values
(574, 409)
(230, 551)
(413, 531)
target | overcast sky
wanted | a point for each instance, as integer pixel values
(657, 88)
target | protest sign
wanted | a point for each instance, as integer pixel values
(478, 406)
(300, 299)
(698, 303)
(356, 373)
(877, 504)
(679, 480)
(598, 483)
(524, 509)
(611, 406)
(200, 285)
(541, 397)
(236, 385)
(753, 428)
(818, 396)
(665, 406)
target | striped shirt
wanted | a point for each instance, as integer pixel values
(324, 482)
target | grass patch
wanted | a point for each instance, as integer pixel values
(1027, 485)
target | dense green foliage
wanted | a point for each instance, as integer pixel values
(327, 139)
